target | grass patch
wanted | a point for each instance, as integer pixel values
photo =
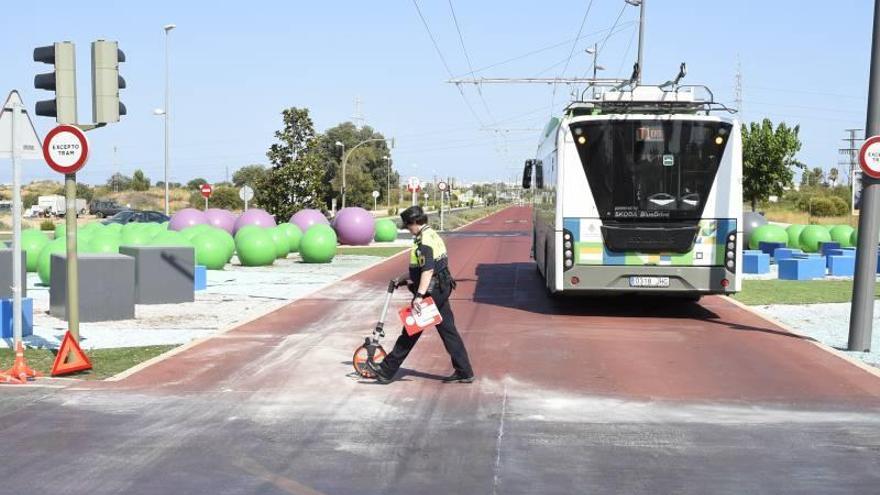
(757, 292)
(803, 218)
(106, 362)
(382, 251)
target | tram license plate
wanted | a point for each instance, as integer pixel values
(649, 281)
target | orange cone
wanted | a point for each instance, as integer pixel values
(20, 369)
(4, 378)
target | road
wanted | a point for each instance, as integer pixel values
(634, 396)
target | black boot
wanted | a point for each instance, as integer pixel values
(381, 375)
(459, 377)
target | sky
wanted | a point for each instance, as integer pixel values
(235, 65)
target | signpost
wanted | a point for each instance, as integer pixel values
(442, 187)
(246, 193)
(375, 197)
(862, 311)
(413, 185)
(18, 141)
(206, 191)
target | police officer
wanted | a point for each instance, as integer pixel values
(429, 275)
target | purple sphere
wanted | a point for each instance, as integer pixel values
(254, 216)
(306, 218)
(221, 219)
(355, 226)
(187, 217)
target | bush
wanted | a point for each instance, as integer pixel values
(827, 206)
(223, 197)
(47, 225)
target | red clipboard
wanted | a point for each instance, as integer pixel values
(415, 323)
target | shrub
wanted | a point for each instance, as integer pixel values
(828, 206)
(47, 225)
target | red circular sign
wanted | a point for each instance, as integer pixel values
(66, 149)
(869, 157)
(207, 190)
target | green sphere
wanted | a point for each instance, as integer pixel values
(135, 237)
(794, 235)
(212, 249)
(44, 264)
(60, 230)
(842, 234)
(170, 238)
(246, 230)
(768, 233)
(812, 236)
(255, 247)
(32, 243)
(282, 243)
(152, 229)
(191, 232)
(386, 230)
(105, 243)
(318, 244)
(294, 235)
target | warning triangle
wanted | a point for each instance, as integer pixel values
(70, 358)
(27, 141)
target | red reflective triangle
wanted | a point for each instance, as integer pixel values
(70, 358)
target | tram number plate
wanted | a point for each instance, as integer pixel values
(649, 281)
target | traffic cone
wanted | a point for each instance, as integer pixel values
(20, 369)
(4, 378)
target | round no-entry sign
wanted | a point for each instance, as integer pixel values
(66, 149)
(413, 184)
(869, 157)
(206, 190)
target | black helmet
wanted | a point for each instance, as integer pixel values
(413, 215)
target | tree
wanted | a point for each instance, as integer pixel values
(223, 197)
(833, 176)
(196, 183)
(139, 181)
(250, 174)
(369, 158)
(83, 191)
(812, 178)
(295, 180)
(768, 158)
(119, 182)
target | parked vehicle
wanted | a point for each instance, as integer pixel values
(102, 208)
(55, 205)
(136, 216)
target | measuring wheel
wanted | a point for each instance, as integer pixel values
(359, 361)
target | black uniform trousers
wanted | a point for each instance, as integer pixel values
(448, 333)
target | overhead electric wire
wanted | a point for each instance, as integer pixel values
(573, 46)
(468, 59)
(605, 41)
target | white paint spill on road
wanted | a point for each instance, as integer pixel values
(496, 480)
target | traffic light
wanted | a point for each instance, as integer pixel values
(106, 82)
(63, 82)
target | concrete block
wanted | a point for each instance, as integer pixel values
(770, 247)
(6, 273)
(201, 277)
(106, 287)
(27, 317)
(841, 266)
(785, 253)
(163, 275)
(756, 262)
(824, 247)
(802, 268)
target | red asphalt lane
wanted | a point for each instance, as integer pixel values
(640, 349)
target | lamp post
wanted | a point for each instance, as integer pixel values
(164, 112)
(388, 182)
(342, 145)
(346, 155)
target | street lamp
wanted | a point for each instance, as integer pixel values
(388, 182)
(342, 145)
(164, 113)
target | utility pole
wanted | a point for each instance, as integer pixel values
(116, 175)
(862, 312)
(358, 117)
(739, 88)
(641, 5)
(851, 151)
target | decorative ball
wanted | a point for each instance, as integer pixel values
(255, 247)
(187, 217)
(812, 236)
(842, 234)
(751, 221)
(794, 235)
(114, 227)
(386, 230)
(135, 237)
(318, 244)
(282, 243)
(221, 219)
(768, 233)
(355, 226)
(191, 232)
(211, 248)
(170, 238)
(246, 230)
(294, 235)
(256, 217)
(32, 243)
(60, 230)
(105, 243)
(304, 219)
(44, 264)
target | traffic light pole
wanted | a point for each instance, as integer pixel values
(16, 231)
(72, 261)
(862, 312)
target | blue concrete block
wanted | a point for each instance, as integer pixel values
(785, 253)
(824, 247)
(200, 281)
(802, 268)
(841, 266)
(756, 262)
(770, 247)
(27, 317)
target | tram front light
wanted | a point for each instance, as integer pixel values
(582, 140)
(567, 244)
